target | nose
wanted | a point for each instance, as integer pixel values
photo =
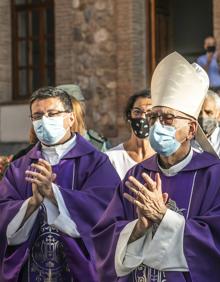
(143, 114)
(45, 115)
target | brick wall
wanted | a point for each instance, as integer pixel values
(95, 64)
(5, 54)
(131, 72)
(100, 45)
(216, 20)
(64, 62)
(102, 48)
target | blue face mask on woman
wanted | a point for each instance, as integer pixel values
(49, 130)
(163, 139)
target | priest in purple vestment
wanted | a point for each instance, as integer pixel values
(51, 198)
(163, 223)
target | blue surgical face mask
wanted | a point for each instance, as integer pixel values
(49, 130)
(163, 139)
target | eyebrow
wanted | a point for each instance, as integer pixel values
(176, 113)
(137, 108)
(161, 112)
(49, 110)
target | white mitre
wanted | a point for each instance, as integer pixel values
(181, 86)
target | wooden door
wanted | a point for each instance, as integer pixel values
(158, 30)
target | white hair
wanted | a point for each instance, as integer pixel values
(215, 96)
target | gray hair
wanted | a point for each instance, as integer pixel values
(215, 96)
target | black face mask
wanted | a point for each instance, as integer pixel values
(211, 49)
(140, 127)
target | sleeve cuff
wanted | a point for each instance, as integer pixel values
(60, 217)
(166, 247)
(163, 252)
(16, 235)
(129, 256)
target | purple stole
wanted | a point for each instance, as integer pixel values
(179, 202)
(46, 261)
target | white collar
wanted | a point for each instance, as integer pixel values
(53, 154)
(173, 170)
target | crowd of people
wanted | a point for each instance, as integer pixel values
(148, 209)
(210, 61)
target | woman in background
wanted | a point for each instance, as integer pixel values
(137, 148)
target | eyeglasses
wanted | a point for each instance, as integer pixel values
(38, 116)
(164, 118)
(137, 113)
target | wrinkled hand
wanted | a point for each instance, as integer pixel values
(149, 197)
(41, 179)
(144, 221)
(150, 203)
(141, 226)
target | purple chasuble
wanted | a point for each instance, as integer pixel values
(87, 181)
(195, 193)
(47, 261)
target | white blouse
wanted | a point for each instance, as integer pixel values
(120, 159)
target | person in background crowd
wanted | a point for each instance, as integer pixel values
(90, 135)
(4, 163)
(137, 148)
(210, 61)
(52, 197)
(208, 120)
(163, 223)
(79, 114)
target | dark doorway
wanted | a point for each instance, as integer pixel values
(176, 25)
(191, 22)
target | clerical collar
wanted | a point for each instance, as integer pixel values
(53, 154)
(173, 170)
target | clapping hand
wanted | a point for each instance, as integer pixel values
(149, 200)
(41, 179)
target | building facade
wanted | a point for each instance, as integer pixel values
(108, 47)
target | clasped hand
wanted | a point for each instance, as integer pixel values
(41, 179)
(149, 200)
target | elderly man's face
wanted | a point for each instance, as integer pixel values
(179, 120)
(209, 109)
(208, 117)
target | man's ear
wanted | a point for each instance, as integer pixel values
(192, 129)
(72, 119)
